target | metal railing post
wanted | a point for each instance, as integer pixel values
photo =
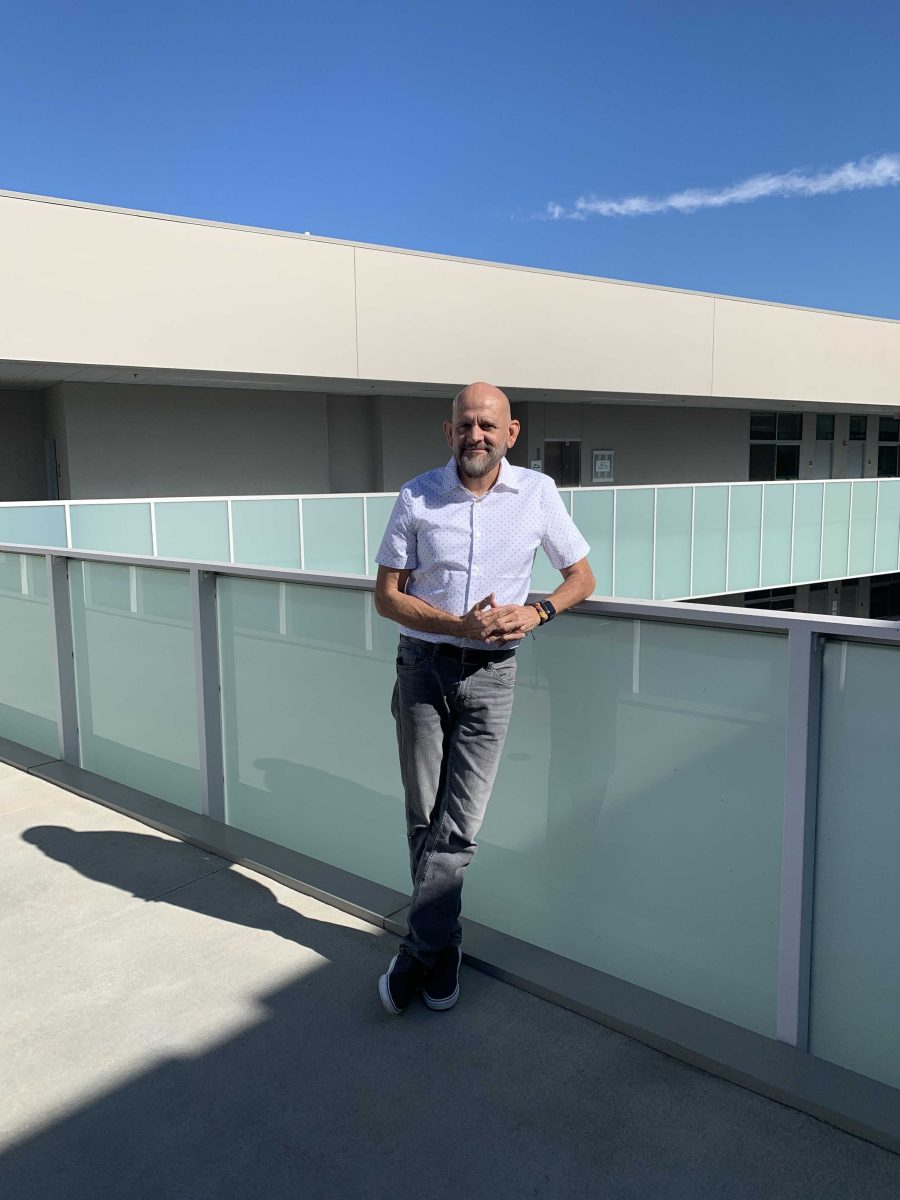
(61, 625)
(209, 704)
(799, 835)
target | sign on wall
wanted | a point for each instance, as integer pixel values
(602, 466)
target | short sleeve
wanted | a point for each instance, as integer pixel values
(561, 538)
(398, 546)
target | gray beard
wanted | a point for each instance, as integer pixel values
(481, 464)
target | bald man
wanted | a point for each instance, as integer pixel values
(454, 572)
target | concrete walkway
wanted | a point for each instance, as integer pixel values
(176, 1028)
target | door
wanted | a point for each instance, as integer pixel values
(562, 462)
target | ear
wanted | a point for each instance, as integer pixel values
(448, 433)
(513, 432)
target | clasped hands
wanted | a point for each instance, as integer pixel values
(488, 621)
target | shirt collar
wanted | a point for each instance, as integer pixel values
(507, 480)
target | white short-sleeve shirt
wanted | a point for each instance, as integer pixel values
(460, 547)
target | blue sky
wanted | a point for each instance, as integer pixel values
(449, 127)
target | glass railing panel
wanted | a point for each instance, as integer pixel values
(807, 531)
(672, 576)
(310, 746)
(134, 675)
(855, 996)
(745, 527)
(634, 543)
(266, 532)
(378, 511)
(28, 697)
(592, 512)
(862, 526)
(836, 530)
(113, 528)
(710, 548)
(887, 526)
(636, 820)
(778, 520)
(192, 529)
(33, 525)
(333, 535)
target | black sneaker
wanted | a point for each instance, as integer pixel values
(441, 989)
(400, 982)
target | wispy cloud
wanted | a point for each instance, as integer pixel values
(872, 172)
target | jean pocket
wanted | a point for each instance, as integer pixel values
(503, 672)
(411, 657)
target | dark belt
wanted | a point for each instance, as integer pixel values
(465, 655)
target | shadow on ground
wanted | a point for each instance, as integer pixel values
(326, 1096)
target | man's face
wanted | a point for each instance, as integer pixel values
(480, 434)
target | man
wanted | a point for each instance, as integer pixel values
(454, 572)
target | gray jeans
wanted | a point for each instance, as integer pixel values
(452, 716)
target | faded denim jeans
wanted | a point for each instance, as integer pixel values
(452, 716)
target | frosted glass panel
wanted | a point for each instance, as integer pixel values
(113, 528)
(836, 532)
(33, 525)
(887, 531)
(310, 747)
(134, 673)
(28, 675)
(592, 512)
(333, 535)
(777, 534)
(634, 543)
(636, 820)
(266, 532)
(744, 537)
(862, 527)
(379, 509)
(856, 952)
(807, 531)
(710, 540)
(673, 543)
(192, 529)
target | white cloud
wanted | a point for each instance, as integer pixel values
(873, 172)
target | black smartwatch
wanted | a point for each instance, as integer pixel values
(548, 609)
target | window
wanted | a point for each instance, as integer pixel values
(888, 439)
(775, 445)
(779, 598)
(825, 427)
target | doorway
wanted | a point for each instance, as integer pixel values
(562, 462)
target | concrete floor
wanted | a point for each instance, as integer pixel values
(176, 1028)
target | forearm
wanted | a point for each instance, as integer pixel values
(573, 589)
(417, 614)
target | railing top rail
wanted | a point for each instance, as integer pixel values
(605, 487)
(671, 611)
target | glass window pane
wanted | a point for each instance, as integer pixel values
(855, 994)
(762, 427)
(27, 652)
(836, 530)
(266, 532)
(29, 525)
(746, 529)
(807, 530)
(887, 550)
(592, 513)
(115, 528)
(825, 427)
(887, 461)
(192, 529)
(762, 462)
(672, 576)
(787, 462)
(790, 427)
(778, 507)
(135, 684)
(333, 540)
(888, 428)
(710, 541)
(634, 544)
(862, 527)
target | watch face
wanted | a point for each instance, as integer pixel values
(551, 611)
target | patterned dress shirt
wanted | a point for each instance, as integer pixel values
(460, 547)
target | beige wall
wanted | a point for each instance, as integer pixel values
(116, 290)
(155, 441)
(23, 474)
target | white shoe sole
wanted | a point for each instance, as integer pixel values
(448, 1001)
(385, 992)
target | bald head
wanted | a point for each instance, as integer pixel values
(478, 393)
(480, 431)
